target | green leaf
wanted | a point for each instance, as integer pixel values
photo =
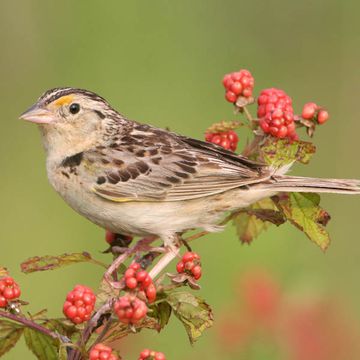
(193, 312)
(304, 212)
(281, 152)
(105, 292)
(3, 271)
(161, 312)
(252, 221)
(61, 326)
(10, 333)
(48, 262)
(41, 345)
(119, 330)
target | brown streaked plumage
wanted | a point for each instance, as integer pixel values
(133, 178)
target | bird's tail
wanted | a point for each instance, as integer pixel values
(307, 184)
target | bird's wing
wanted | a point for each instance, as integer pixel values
(156, 165)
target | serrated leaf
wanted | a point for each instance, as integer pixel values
(161, 312)
(251, 222)
(41, 345)
(281, 152)
(10, 333)
(3, 271)
(106, 291)
(119, 330)
(49, 262)
(61, 326)
(195, 314)
(304, 212)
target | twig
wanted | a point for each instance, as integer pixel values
(35, 326)
(90, 326)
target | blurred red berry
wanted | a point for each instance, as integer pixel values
(275, 113)
(262, 295)
(102, 352)
(322, 116)
(79, 304)
(227, 139)
(309, 111)
(130, 309)
(9, 290)
(239, 83)
(190, 264)
(151, 355)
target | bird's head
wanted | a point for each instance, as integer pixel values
(70, 117)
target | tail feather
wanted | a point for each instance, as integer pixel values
(318, 185)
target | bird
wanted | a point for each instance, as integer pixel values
(133, 178)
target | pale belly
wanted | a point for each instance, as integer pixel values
(153, 218)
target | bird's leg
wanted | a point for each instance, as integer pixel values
(142, 245)
(172, 247)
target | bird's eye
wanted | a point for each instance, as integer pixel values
(74, 108)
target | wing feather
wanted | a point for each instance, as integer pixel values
(156, 165)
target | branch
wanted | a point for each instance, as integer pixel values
(31, 324)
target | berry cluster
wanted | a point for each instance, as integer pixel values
(190, 264)
(147, 354)
(239, 83)
(227, 139)
(79, 304)
(312, 111)
(9, 290)
(135, 277)
(102, 352)
(130, 309)
(276, 114)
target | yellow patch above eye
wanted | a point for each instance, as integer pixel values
(64, 100)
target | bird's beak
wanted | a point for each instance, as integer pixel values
(38, 115)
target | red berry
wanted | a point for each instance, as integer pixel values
(190, 263)
(110, 237)
(147, 281)
(151, 355)
(102, 352)
(151, 293)
(239, 83)
(131, 283)
(180, 267)
(275, 113)
(236, 88)
(322, 117)
(3, 302)
(79, 304)
(196, 271)
(230, 96)
(309, 110)
(130, 309)
(136, 278)
(9, 290)
(227, 139)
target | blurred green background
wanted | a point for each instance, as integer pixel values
(162, 62)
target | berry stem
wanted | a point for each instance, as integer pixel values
(34, 325)
(90, 327)
(103, 332)
(248, 114)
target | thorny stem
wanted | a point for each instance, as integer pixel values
(90, 326)
(34, 325)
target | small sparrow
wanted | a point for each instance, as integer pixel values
(132, 178)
